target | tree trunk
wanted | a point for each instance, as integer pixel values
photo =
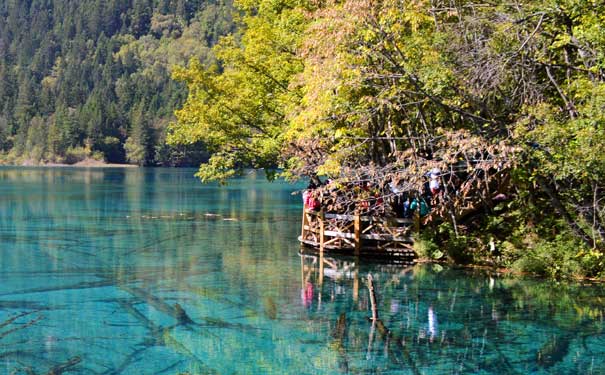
(556, 202)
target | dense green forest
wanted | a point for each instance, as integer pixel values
(498, 94)
(92, 78)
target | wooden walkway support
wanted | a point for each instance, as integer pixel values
(358, 235)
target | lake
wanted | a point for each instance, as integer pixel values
(147, 271)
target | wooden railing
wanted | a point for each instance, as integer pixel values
(340, 232)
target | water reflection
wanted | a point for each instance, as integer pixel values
(435, 320)
(148, 272)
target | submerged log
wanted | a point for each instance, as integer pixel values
(80, 285)
(157, 336)
(181, 315)
(554, 351)
(177, 312)
(387, 336)
(63, 367)
(20, 327)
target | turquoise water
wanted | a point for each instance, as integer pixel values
(146, 271)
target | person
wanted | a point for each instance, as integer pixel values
(420, 205)
(434, 183)
(310, 201)
(407, 213)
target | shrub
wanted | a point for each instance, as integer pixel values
(426, 248)
(592, 262)
(554, 259)
(74, 155)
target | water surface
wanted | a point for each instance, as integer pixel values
(146, 271)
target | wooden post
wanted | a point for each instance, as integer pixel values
(320, 279)
(357, 225)
(302, 272)
(356, 283)
(304, 222)
(321, 232)
(372, 298)
(321, 249)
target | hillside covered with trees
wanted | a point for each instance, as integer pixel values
(371, 90)
(92, 78)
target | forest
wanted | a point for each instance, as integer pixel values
(92, 78)
(383, 91)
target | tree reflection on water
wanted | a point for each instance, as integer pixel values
(434, 319)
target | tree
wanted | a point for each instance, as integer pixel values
(239, 108)
(37, 135)
(141, 17)
(62, 133)
(138, 145)
(381, 89)
(5, 134)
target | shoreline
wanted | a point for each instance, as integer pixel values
(504, 271)
(126, 166)
(86, 163)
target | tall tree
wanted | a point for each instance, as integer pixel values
(139, 143)
(239, 108)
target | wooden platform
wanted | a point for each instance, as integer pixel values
(358, 235)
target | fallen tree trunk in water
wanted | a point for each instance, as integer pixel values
(63, 367)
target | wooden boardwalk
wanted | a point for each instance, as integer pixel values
(359, 235)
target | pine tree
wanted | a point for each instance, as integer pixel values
(138, 144)
(141, 17)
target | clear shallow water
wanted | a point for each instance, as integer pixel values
(146, 271)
